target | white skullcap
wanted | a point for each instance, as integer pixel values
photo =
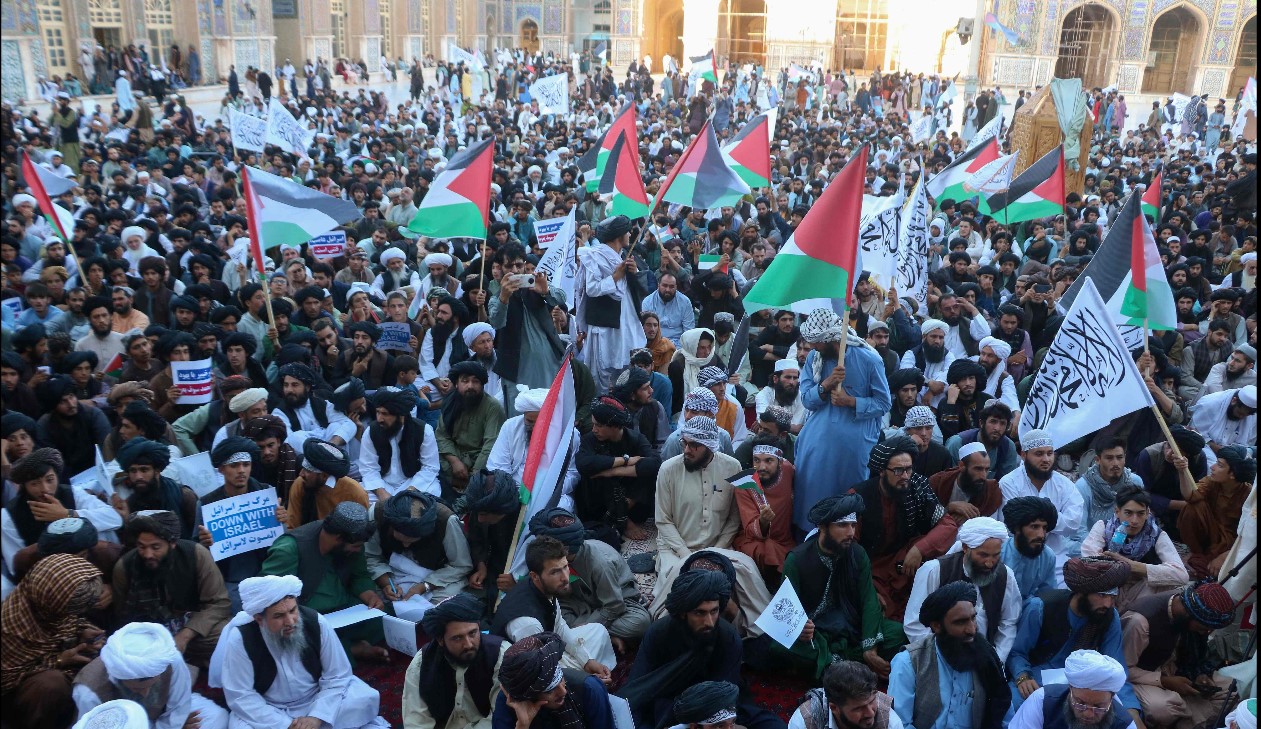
(23, 199)
(968, 449)
(1248, 395)
(130, 231)
(1248, 257)
(139, 650)
(787, 364)
(116, 714)
(390, 254)
(1094, 671)
(977, 530)
(475, 330)
(290, 247)
(1001, 348)
(931, 324)
(1036, 438)
(530, 400)
(246, 398)
(438, 259)
(370, 168)
(260, 593)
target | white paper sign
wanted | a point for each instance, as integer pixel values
(552, 94)
(248, 131)
(195, 472)
(99, 478)
(351, 615)
(547, 231)
(560, 262)
(286, 132)
(784, 618)
(329, 245)
(400, 634)
(195, 381)
(242, 523)
(395, 335)
(1053, 676)
(413, 608)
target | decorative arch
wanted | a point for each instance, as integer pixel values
(663, 31)
(1089, 34)
(528, 32)
(1174, 46)
(1245, 56)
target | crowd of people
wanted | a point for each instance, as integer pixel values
(953, 573)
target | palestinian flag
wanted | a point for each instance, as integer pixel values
(703, 68)
(1151, 198)
(1147, 299)
(623, 181)
(701, 177)
(949, 182)
(45, 186)
(749, 152)
(592, 163)
(114, 368)
(747, 479)
(1038, 192)
(816, 267)
(284, 212)
(458, 201)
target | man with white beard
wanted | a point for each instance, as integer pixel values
(606, 302)
(508, 453)
(281, 665)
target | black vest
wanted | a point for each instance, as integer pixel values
(523, 601)
(1163, 635)
(1056, 628)
(991, 595)
(319, 408)
(1053, 700)
(312, 565)
(265, 663)
(437, 678)
(175, 585)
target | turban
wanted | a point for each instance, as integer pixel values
(412, 513)
(1243, 468)
(242, 340)
(395, 400)
(1023, 510)
(27, 337)
(823, 325)
(710, 376)
(143, 417)
(712, 561)
(144, 452)
(324, 457)
(462, 608)
(300, 372)
(1188, 441)
(1036, 438)
(1209, 604)
(1245, 714)
(560, 524)
(1001, 349)
(939, 602)
(160, 522)
(346, 393)
(468, 368)
(264, 427)
(692, 588)
(919, 416)
(117, 713)
(35, 464)
(718, 282)
(1091, 575)
(836, 510)
(247, 399)
(905, 376)
(980, 529)
(610, 411)
(494, 492)
(234, 449)
(436, 259)
(886, 450)
(701, 400)
(703, 430)
(134, 390)
(372, 330)
(138, 651)
(391, 254)
(131, 231)
(930, 325)
(1094, 671)
(68, 536)
(15, 421)
(630, 380)
(475, 330)
(281, 307)
(961, 369)
(787, 364)
(530, 400)
(260, 593)
(184, 301)
(531, 667)
(51, 391)
(170, 340)
(706, 703)
(74, 359)
(23, 199)
(612, 228)
(349, 519)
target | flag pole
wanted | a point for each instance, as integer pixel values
(512, 551)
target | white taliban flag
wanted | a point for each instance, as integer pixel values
(992, 129)
(552, 93)
(878, 230)
(994, 176)
(911, 277)
(1087, 378)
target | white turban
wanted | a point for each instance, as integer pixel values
(246, 398)
(389, 254)
(138, 651)
(260, 593)
(787, 364)
(968, 449)
(1001, 348)
(290, 247)
(1248, 257)
(977, 530)
(931, 324)
(530, 400)
(116, 714)
(1094, 671)
(132, 230)
(475, 330)
(1244, 715)
(437, 259)
(23, 199)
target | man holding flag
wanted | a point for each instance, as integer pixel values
(606, 302)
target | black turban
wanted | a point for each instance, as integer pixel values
(169, 341)
(610, 411)
(494, 492)
(372, 330)
(939, 602)
(886, 450)
(281, 307)
(1090, 575)
(206, 329)
(629, 381)
(905, 376)
(462, 608)
(466, 368)
(35, 465)
(231, 446)
(12, 360)
(27, 337)
(309, 292)
(412, 513)
(708, 702)
(15, 421)
(1243, 468)
(560, 524)
(184, 301)
(395, 400)
(298, 371)
(143, 417)
(74, 359)
(67, 536)
(1022, 510)
(961, 368)
(690, 589)
(264, 427)
(348, 392)
(51, 391)
(142, 451)
(530, 666)
(1188, 441)
(162, 524)
(243, 340)
(713, 562)
(293, 353)
(612, 228)
(325, 458)
(834, 508)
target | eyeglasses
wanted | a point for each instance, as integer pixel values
(901, 471)
(1087, 708)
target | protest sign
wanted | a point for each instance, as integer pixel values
(195, 472)
(784, 617)
(286, 132)
(547, 231)
(98, 479)
(329, 245)
(351, 615)
(195, 381)
(560, 262)
(922, 128)
(14, 305)
(240, 524)
(248, 131)
(552, 94)
(394, 335)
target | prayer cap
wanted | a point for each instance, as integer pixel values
(1093, 575)
(1208, 603)
(247, 399)
(138, 651)
(68, 536)
(412, 513)
(939, 602)
(920, 416)
(980, 529)
(837, 510)
(1036, 438)
(350, 520)
(260, 593)
(692, 588)
(1022, 510)
(787, 364)
(1093, 671)
(1248, 395)
(968, 449)
(707, 703)
(234, 449)
(531, 667)
(702, 430)
(823, 325)
(462, 608)
(115, 714)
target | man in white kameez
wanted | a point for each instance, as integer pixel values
(1038, 477)
(298, 410)
(398, 451)
(606, 303)
(696, 510)
(122, 90)
(1226, 418)
(262, 664)
(508, 453)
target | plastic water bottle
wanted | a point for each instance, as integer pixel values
(1118, 537)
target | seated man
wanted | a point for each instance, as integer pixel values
(1030, 519)
(143, 462)
(418, 547)
(604, 590)
(306, 415)
(633, 387)
(532, 606)
(995, 420)
(1038, 477)
(933, 458)
(848, 698)
(327, 555)
(1227, 418)
(951, 677)
(468, 428)
(280, 665)
(453, 680)
(513, 444)
(619, 470)
(1133, 536)
(173, 582)
(246, 405)
(783, 391)
(967, 490)
(700, 401)
(766, 507)
(400, 451)
(492, 502)
(730, 413)
(1105, 479)
(977, 562)
(691, 644)
(773, 424)
(375, 367)
(1091, 696)
(322, 483)
(140, 663)
(278, 463)
(539, 694)
(844, 623)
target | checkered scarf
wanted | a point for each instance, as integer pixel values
(44, 615)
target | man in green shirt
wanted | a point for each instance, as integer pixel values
(470, 423)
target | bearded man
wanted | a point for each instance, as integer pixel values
(766, 510)
(998, 383)
(418, 548)
(966, 490)
(375, 367)
(607, 306)
(470, 424)
(995, 420)
(964, 400)
(932, 359)
(1090, 696)
(848, 699)
(921, 425)
(1030, 519)
(1038, 477)
(396, 274)
(784, 390)
(513, 444)
(322, 483)
(904, 386)
(452, 681)
(400, 451)
(439, 276)
(633, 388)
(306, 415)
(143, 462)
(1237, 372)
